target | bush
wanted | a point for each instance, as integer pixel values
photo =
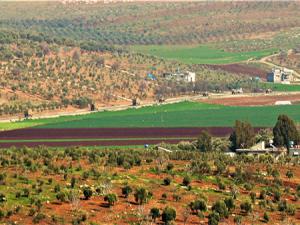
(277, 195)
(57, 188)
(213, 218)
(38, 218)
(126, 191)
(198, 205)
(141, 195)
(110, 199)
(87, 192)
(221, 208)
(248, 186)
(154, 213)
(2, 198)
(262, 194)
(170, 166)
(266, 217)
(246, 207)
(168, 215)
(73, 182)
(167, 181)
(237, 220)
(61, 196)
(229, 202)
(186, 181)
(253, 197)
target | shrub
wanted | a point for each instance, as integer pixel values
(167, 181)
(266, 217)
(213, 218)
(186, 181)
(1, 214)
(141, 195)
(2, 198)
(253, 197)
(170, 166)
(221, 208)
(57, 188)
(198, 205)
(246, 207)
(87, 192)
(262, 194)
(26, 192)
(61, 196)
(110, 199)
(38, 218)
(176, 197)
(126, 191)
(289, 174)
(229, 202)
(238, 220)
(168, 215)
(277, 195)
(154, 213)
(73, 182)
(248, 186)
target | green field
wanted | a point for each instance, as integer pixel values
(281, 87)
(202, 54)
(184, 114)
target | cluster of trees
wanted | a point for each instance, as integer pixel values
(285, 134)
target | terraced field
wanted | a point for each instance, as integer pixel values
(202, 54)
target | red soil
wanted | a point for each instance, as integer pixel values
(241, 69)
(131, 136)
(80, 133)
(253, 100)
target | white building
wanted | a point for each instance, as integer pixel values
(186, 76)
(283, 75)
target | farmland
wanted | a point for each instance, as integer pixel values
(115, 186)
(185, 114)
(200, 54)
(100, 125)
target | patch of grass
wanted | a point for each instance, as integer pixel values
(281, 87)
(184, 114)
(202, 54)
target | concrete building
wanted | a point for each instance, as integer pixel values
(186, 76)
(284, 76)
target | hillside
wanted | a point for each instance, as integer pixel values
(150, 23)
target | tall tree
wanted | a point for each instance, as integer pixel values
(204, 142)
(285, 131)
(243, 135)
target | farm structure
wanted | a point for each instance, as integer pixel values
(186, 76)
(283, 75)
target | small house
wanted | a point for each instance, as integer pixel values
(186, 76)
(283, 75)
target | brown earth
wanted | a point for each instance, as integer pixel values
(241, 69)
(253, 100)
